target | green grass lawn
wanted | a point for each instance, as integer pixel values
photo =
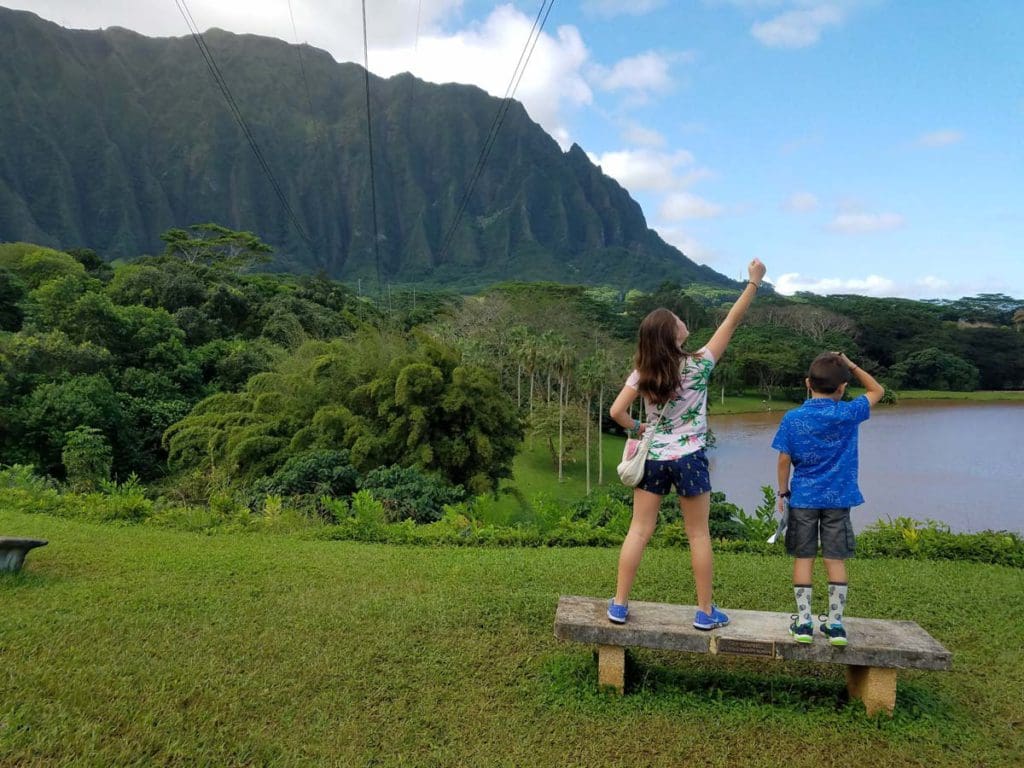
(535, 477)
(131, 645)
(746, 404)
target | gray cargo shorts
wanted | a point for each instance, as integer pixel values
(831, 526)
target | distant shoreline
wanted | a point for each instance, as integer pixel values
(756, 404)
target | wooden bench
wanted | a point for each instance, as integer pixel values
(877, 649)
(13, 551)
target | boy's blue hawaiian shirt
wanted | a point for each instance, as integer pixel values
(821, 438)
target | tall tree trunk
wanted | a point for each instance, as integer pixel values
(561, 418)
(600, 436)
(519, 385)
(588, 445)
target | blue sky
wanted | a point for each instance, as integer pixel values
(862, 146)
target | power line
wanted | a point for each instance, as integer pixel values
(219, 79)
(517, 75)
(369, 138)
(302, 66)
(419, 11)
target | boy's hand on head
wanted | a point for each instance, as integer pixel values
(756, 270)
(846, 361)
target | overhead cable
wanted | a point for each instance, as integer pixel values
(219, 79)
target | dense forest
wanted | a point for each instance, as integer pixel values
(196, 373)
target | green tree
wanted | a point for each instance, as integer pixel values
(933, 368)
(12, 292)
(54, 409)
(216, 246)
(35, 264)
(384, 398)
(87, 459)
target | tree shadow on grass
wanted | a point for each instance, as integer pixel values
(27, 579)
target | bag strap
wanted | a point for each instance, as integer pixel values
(650, 436)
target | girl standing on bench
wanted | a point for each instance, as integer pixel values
(674, 385)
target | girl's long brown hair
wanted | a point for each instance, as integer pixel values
(658, 357)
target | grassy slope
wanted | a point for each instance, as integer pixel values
(980, 396)
(137, 646)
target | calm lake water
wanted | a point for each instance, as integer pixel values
(961, 463)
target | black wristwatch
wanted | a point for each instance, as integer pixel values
(785, 494)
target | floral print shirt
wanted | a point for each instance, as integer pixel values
(821, 439)
(683, 426)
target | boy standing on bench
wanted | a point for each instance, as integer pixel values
(817, 443)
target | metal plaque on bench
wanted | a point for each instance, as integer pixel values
(737, 647)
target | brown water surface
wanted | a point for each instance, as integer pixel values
(958, 462)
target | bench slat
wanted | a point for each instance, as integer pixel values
(873, 642)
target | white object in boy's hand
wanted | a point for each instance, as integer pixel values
(783, 522)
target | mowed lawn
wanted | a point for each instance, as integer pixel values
(123, 646)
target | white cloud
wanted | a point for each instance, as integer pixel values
(860, 223)
(686, 243)
(480, 53)
(872, 285)
(609, 8)
(801, 202)
(644, 169)
(686, 205)
(797, 28)
(634, 133)
(334, 25)
(644, 73)
(927, 287)
(939, 138)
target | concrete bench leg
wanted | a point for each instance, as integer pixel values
(611, 667)
(875, 686)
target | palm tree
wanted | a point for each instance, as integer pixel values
(590, 382)
(565, 363)
(519, 342)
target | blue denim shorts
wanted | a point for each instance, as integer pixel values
(689, 474)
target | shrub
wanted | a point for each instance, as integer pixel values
(611, 510)
(123, 502)
(762, 524)
(409, 493)
(905, 537)
(87, 458)
(315, 473)
(723, 521)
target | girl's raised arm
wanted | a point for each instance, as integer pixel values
(721, 338)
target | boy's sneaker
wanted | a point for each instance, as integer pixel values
(710, 620)
(617, 613)
(802, 633)
(836, 633)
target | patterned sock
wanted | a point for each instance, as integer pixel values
(803, 603)
(836, 601)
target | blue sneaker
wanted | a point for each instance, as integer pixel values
(710, 620)
(802, 633)
(835, 633)
(617, 613)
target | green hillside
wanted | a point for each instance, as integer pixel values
(110, 138)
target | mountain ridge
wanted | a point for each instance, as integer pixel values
(120, 136)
